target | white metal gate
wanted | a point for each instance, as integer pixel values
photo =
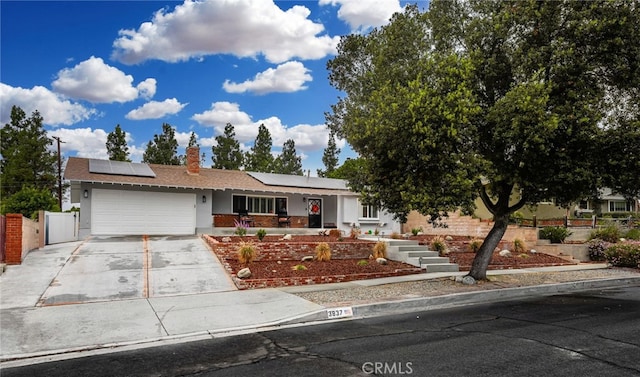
(61, 227)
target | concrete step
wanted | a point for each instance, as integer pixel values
(423, 254)
(420, 261)
(408, 248)
(441, 267)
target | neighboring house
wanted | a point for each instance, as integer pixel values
(608, 202)
(121, 198)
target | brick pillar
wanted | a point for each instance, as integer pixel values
(193, 160)
(14, 239)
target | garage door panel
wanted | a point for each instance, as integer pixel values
(138, 212)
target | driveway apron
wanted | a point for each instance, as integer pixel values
(129, 267)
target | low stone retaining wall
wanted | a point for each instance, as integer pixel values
(287, 282)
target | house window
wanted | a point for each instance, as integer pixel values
(258, 204)
(368, 211)
(239, 203)
(619, 206)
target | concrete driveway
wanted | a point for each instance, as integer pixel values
(115, 268)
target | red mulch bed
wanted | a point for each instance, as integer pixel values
(278, 273)
(334, 267)
(464, 260)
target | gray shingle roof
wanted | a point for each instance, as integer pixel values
(176, 176)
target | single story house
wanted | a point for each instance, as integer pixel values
(125, 198)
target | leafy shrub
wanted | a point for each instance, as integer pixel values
(624, 254)
(475, 244)
(299, 267)
(335, 233)
(556, 234)
(633, 234)
(415, 231)
(519, 246)
(246, 252)
(438, 244)
(363, 262)
(28, 201)
(261, 233)
(610, 233)
(323, 252)
(516, 218)
(597, 248)
(380, 250)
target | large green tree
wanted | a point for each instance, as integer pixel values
(288, 162)
(329, 157)
(27, 159)
(163, 149)
(29, 200)
(117, 148)
(259, 158)
(226, 153)
(486, 99)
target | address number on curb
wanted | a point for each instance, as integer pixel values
(339, 312)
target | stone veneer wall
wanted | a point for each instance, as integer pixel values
(260, 221)
(468, 226)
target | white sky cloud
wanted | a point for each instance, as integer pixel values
(244, 28)
(156, 110)
(85, 141)
(97, 82)
(54, 108)
(285, 78)
(307, 137)
(362, 15)
(91, 143)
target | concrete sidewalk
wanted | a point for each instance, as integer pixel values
(32, 333)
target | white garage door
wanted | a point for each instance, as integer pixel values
(135, 212)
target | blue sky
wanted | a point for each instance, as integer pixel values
(87, 66)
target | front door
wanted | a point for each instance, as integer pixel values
(315, 213)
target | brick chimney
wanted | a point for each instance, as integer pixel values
(193, 160)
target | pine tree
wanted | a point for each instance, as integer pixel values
(329, 157)
(288, 162)
(26, 157)
(227, 154)
(163, 149)
(117, 148)
(259, 158)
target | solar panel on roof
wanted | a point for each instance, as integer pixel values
(120, 168)
(299, 181)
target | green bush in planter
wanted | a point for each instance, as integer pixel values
(624, 255)
(633, 234)
(556, 234)
(610, 233)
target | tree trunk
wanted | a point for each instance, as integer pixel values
(483, 256)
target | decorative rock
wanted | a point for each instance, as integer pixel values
(244, 273)
(381, 261)
(468, 280)
(226, 239)
(307, 258)
(448, 238)
(287, 237)
(533, 251)
(505, 253)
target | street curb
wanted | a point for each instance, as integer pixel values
(470, 298)
(321, 316)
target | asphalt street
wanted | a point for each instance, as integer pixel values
(590, 333)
